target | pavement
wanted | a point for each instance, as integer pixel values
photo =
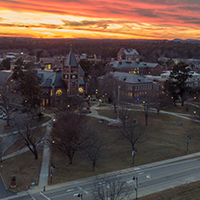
(44, 172)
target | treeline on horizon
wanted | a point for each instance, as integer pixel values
(149, 50)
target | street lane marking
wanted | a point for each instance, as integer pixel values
(85, 191)
(75, 195)
(169, 174)
(45, 196)
(148, 176)
(70, 190)
(30, 195)
(131, 181)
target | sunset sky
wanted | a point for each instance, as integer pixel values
(114, 19)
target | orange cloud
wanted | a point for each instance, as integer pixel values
(102, 18)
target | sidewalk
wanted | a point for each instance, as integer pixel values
(44, 172)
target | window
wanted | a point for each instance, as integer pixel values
(59, 92)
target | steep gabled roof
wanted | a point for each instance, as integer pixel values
(5, 75)
(71, 60)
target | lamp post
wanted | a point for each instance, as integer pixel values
(136, 185)
(51, 174)
(118, 103)
(80, 195)
(133, 154)
(188, 142)
(146, 112)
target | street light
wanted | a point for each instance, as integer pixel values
(136, 185)
(133, 154)
(80, 195)
(188, 142)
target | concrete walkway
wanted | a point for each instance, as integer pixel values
(44, 172)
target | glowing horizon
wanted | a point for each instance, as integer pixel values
(128, 19)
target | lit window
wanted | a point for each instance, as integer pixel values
(80, 90)
(59, 92)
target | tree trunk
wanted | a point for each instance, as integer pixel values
(146, 118)
(70, 159)
(182, 102)
(8, 121)
(36, 154)
(93, 166)
(115, 108)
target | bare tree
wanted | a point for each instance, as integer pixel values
(27, 130)
(133, 133)
(111, 187)
(160, 100)
(93, 147)
(67, 133)
(108, 87)
(8, 99)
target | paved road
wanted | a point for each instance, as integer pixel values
(151, 179)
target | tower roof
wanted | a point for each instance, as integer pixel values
(71, 60)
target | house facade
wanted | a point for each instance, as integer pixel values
(128, 54)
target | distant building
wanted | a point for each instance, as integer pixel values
(128, 54)
(57, 82)
(140, 68)
(134, 87)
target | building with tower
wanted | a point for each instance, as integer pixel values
(70, 74)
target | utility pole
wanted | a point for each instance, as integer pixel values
(118, 103)
(136, 185)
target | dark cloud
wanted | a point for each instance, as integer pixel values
(99, 24)
(146, 12)
(48, 26)
(190, 8)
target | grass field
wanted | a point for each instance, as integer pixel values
(23, 166)
(164, 140)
